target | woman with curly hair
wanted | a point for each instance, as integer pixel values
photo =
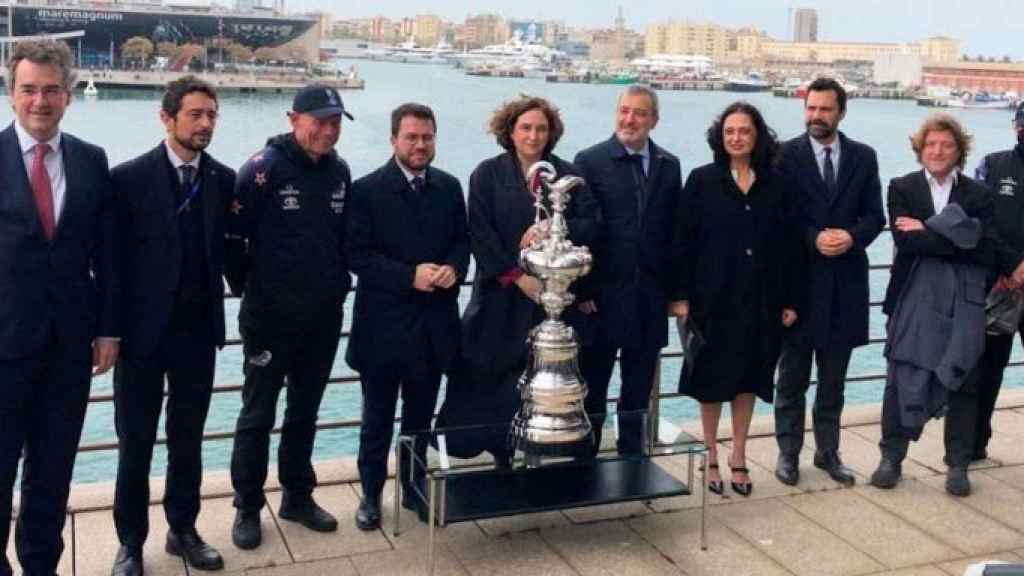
(737, 256)
(503, 308)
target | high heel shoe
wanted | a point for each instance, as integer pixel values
(714, 486)
(742, 488)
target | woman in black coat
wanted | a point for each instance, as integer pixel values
(735, 249)
(503, 308)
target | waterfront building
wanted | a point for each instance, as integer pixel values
(687, 38)
(757, 46)
(107, 27)
(427, 29)
(486, 29)
(805, 25)
(995, 77)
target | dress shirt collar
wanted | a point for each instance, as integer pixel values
(28, 142)
(409, 174)
(951, 180)
(819, 149)
(178, 162)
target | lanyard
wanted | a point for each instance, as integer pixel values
(191, 196)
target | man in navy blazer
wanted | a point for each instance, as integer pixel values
(838, 203)
(408, 243)
(172, 205)
(637, 184)
(58, 323)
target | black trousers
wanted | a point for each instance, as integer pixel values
(637, 367)
(991, 367)
(791, 395)
(43, 398)
(380, 398)
(186, 357)
(305, 359)
(958, 434)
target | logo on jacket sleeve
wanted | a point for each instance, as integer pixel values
(1007, 186)
(338, 199)
(289, 197)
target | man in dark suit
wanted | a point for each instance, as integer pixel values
(838, 203)
(409, 245)
(942, 147)
(58, 322)
(637, 184)
(172, 205)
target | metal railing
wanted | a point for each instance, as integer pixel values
(657, 397)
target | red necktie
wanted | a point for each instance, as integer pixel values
(42, 192)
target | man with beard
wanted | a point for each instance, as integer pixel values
(409, 245)
(172, 206)
(289, 216)
(838, 206)
(637, 184)
(1003, 173)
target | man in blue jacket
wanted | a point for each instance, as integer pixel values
(637, 184)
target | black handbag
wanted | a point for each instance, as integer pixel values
(1003, 308)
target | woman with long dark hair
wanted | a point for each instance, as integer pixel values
(736, 254)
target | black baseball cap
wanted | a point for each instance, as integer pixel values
(319, 100)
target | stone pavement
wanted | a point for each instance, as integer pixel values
(815, 529)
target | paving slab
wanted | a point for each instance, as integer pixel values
(608, 512)
(791, 539)
(860, 453)
(608, 549)
(871, 529)
(1007, 436)
(333, 567)
(915, 571)
(991, 497)
(96, 545)
(513, 555)
(1013, 475)
(305, 544)
(677, 536)
(927, 452)
(63, 566)
(214, 525)
(958, 567)
(522, 523)
(945, 517)
(407, 562)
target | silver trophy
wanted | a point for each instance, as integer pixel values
(552, 420)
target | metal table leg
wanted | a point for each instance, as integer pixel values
(433, 502)
(398, 483)
(703, 500)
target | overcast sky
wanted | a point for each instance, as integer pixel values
(989, 27)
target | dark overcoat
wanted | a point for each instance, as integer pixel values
(834, 302)
(632, 274)
(390, 232)
(738, 266)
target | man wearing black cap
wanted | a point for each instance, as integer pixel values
(1003, 172)
(288, 227)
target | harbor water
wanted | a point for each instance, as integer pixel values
(127, 124)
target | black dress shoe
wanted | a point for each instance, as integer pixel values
(830, 462)
(744, 489)
(128, 562)
(197, 554)
(887, 475)
(246, 532)
(368, 514)
(787, 469)
(957, 482)
(308, 513)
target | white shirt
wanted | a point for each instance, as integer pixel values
(940, 192)
(819, 155)
(54, 165)
(409, 174)
(178, 162)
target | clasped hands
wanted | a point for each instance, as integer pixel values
(430, 276)
(833, 242)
